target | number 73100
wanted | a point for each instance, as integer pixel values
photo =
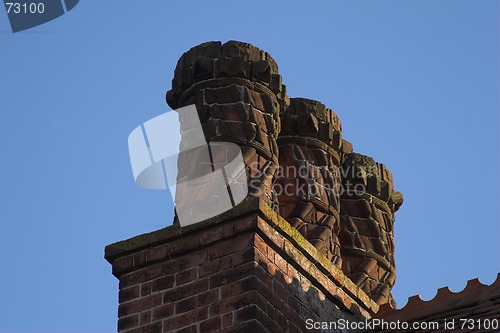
(24, 8)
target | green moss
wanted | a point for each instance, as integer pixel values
(317, 258)
(113, 250)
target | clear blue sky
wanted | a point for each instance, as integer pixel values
(415, 83)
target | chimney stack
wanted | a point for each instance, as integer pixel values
(299, 250)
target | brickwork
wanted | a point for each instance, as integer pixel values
(238, 93)
(313, 239)
(250, 273)
(308, 179)
(295, 159)
(367, 219)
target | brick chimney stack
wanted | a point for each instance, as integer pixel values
(238, 93)
(309, 178)
(367, 226)
(304, 246)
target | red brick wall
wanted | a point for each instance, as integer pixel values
(245, 274)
